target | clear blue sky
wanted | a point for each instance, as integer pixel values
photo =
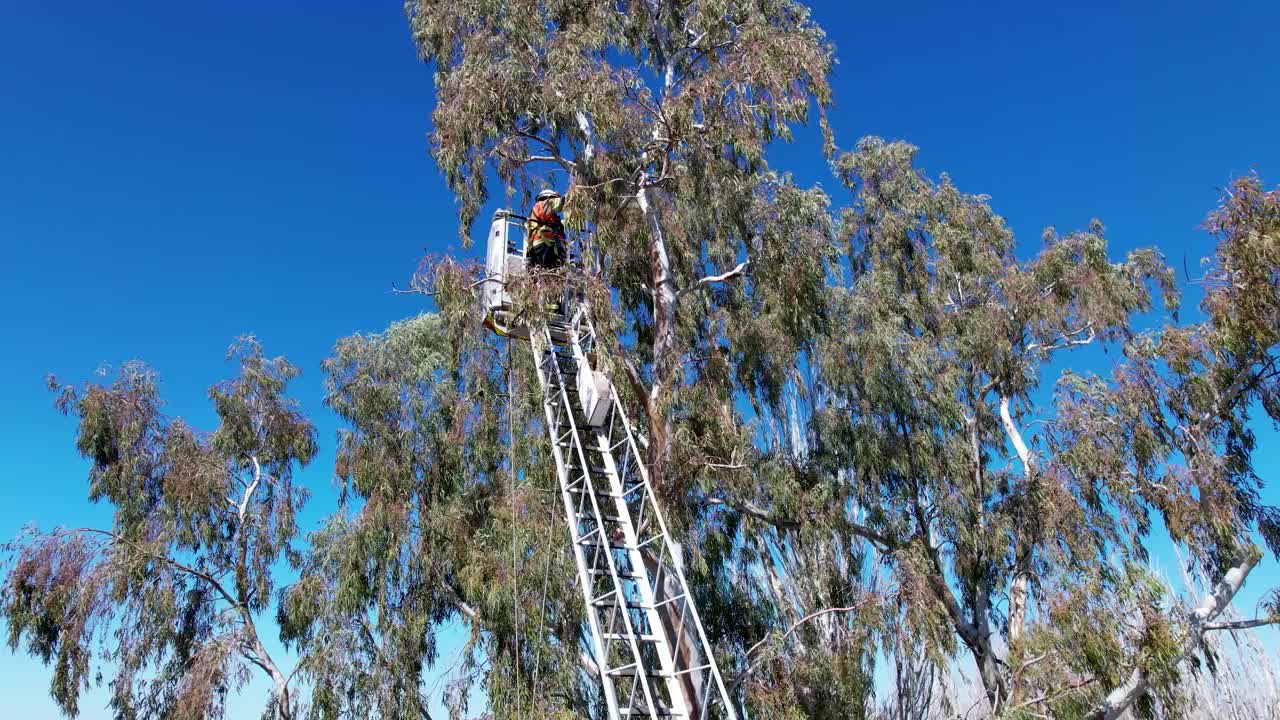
(175, 174)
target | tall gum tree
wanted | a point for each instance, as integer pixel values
(925, 416)
(844, 413)
(658, 114)
(168, 600)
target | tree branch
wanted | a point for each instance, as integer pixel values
(555, 156)
(1069, 339)
(1242, 624)
(746, 507)
(463, 607)
(1047, 697)
(739, 269)
(1139, 681)
(213, 582)
(752, 665)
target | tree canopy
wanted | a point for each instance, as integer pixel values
(860, 408)
(169, 596)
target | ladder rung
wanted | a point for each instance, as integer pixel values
(631, 605)
(660, 711)
(625, 574)
(612, 546)
(595, 470)
(606, 518)
(668, 601)
(600, 494)
(624, 636)
(599, 599)
(630, 671)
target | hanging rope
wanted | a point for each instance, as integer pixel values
(515, 576)
(542, 622)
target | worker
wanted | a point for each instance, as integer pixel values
(546, 231)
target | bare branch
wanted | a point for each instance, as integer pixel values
(735, 272)
(746, 507)
(752, 665)
(412, 291)
(1211, 606)
(1242, 624)
(243, 506)
(1050, 697)
(1067, 340)
(463, 607)
(551, 147)
(637, 384)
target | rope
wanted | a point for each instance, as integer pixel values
(546, 583)
(515, 576)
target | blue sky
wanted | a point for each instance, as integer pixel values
(175, 174)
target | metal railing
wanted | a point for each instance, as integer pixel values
(649, 643)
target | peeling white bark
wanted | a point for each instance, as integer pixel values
(1019, 586)
(664, 333)
(1210, 607)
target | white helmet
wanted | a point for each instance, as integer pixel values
(548, 194)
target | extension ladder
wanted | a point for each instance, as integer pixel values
(649, 646)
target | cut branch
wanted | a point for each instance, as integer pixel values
(1242, 624)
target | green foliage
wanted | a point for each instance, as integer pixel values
(855, 415)
(167, 597)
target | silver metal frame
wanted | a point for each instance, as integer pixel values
(648, 640)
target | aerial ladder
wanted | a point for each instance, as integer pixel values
(649, 647)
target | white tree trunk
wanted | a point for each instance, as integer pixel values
(1019, 587)
(1122, 697)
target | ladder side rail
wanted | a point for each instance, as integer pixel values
(681, 704)
(619, 590)
(678, 561)
(597, 638)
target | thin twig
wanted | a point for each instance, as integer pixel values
(742, 676)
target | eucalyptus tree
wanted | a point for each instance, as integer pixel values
(924, 416)
(1170, 433)
(168, 599)
(831, 400)
(657, 117)
(429, 535)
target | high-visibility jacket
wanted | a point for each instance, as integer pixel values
(544, 224)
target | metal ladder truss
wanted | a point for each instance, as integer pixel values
(647, 639)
